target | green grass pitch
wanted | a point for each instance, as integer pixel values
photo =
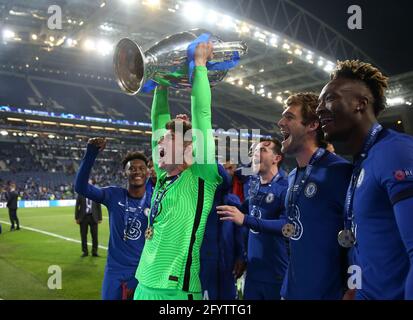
(25, 256)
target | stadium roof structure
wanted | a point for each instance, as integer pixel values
(290, 49)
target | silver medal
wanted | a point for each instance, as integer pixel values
(346, 238)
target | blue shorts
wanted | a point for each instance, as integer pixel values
(119, 285)
(257, 290)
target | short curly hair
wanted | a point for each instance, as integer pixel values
(369, 75)
(134, 155)
(309, 103)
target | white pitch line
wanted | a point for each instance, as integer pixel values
(52, 234)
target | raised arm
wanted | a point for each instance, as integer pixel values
(82, 185)
(159, 117)
(203, 140)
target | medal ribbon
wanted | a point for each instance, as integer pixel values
(158, 198)
(293, 193)
(348, 205)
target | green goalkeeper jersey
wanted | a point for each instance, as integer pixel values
(170, 259)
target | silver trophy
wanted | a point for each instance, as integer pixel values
(166, 61)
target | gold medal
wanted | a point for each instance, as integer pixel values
(149, 233)
(288, 230)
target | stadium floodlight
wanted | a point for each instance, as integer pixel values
(286, 46)
(260, 36)
(104, 47)
(329, 67)
(89, 45)
(227, 22)
(4, 133)
(193, 11)
(408, 103)
(156, 4)
(70, 42)
(244, 28)
(274, 41)
(8, 34)
(395, 101)
(298, 52)
(106, 27)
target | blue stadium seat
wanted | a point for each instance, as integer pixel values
(15, 91)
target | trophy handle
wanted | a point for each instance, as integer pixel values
(223, 49)
(129, 66)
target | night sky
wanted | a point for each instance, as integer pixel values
(387, 28)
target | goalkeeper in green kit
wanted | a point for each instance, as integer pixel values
(183, 195)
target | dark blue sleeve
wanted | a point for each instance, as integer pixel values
(226, 179)
(265, 225)
(239, 237)
(245, 207)
(273, 226)
(82, 185)
(394, 168)
(403, 211)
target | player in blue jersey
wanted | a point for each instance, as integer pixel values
(267, 252)
(314, 205)
(128, 210)
(379, 210)
(222, 250)
(151, 181)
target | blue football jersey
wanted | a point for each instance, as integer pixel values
(267, 256)
(318, 264)
(386, 178)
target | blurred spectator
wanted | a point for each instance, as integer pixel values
(45, 168)
(11, 197)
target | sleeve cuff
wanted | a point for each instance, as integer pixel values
(201, 68)
(401, 196)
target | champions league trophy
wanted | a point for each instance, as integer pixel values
(169, 62)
